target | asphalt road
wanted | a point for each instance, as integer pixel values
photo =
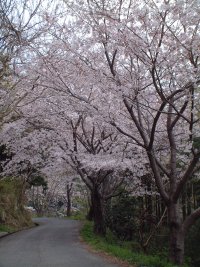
(55, 243)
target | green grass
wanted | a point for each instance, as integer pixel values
(6, 228)
(12, 201)
(77, 215)
(124, 253)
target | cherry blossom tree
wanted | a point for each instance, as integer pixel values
(118, 84)
(145, 59)
(18, 29)
(102, 166)
(67, 111)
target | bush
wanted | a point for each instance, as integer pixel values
(12, 201)
(109, 246)
(121, 217)
(192, 247)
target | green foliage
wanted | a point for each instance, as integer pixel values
(192, 247)
(79, 211)
(6, 228)
(122, 252)
(77, 215)
(5, 70)
(120, 217)
(196, 142)
(12, 201)
(4, 155)
(38, 181)
(79, 208)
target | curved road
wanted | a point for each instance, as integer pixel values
(55, 243)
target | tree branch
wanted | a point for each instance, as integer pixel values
(187, 175)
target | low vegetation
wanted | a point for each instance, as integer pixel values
(121, 250)
(13, 215)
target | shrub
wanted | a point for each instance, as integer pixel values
(12, 200)
(120, 217)
(192, 247)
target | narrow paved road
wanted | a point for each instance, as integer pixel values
(55, 243)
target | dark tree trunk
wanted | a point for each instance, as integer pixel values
(69, 188)
(90, 215)
(184, 202)
(98, 214)
(69, 208)
(176, 234)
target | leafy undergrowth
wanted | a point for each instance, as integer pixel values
(123, 253)
(77, 216)
(6, 228)
(13, 215)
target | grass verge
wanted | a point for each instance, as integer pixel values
(79, 216)
(122, 253)
(6, 228)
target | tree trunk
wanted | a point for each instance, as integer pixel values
(184, 203)
(90, 215)
(176, 242)
(98, 215)
(69, 200)
(69, 207)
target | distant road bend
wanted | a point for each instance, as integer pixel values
(55, 243)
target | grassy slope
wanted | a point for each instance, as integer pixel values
(121, 252)
(13, 216)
